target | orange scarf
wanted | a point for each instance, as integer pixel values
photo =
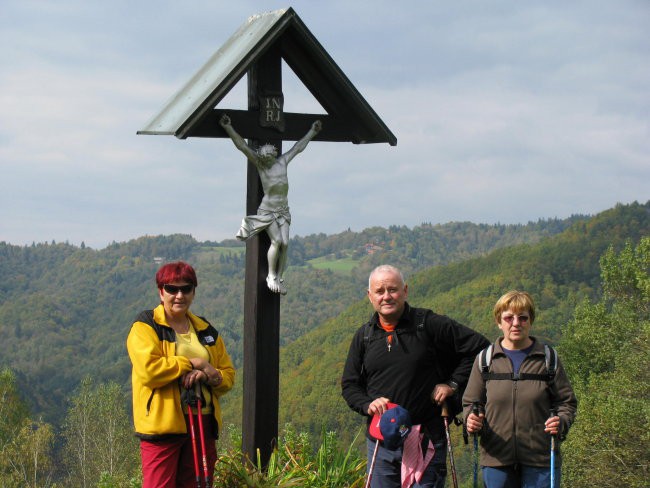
(389, 331)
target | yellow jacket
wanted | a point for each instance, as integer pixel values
(157, 409)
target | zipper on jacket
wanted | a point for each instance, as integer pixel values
(149, 402)
(514, 417)
(514, 403)
(514, 408)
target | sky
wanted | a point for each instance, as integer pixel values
(504, 112)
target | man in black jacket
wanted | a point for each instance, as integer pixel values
(411, 357)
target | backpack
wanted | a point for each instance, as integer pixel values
(454, 403)
(485, 359)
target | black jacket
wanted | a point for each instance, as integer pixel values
(406, 374)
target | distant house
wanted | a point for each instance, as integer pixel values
(372, 248)
(158, 260)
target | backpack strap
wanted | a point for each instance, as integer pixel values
(367, 335)
(163, 333)
(551, 361)
(146, 316)
(420, 317)
(485, 359)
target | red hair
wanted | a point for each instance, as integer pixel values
(178, 271)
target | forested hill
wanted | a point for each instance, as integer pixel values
(65, 310)
(559, 272)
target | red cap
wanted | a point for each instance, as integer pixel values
(374, 429)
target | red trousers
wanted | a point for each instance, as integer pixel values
(169, 463)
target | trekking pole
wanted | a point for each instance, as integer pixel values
(476, 410)
(445, 417)
(206, 474)
(372, 464)
(193, 438)
(553, 446)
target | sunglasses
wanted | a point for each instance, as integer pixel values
(511, 318)
(174, 289)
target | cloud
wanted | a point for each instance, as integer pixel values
(503, 111)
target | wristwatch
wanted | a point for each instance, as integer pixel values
(453, 385)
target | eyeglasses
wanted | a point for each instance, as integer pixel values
(174, 289)
(511, 318)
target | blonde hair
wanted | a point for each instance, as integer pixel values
(517, 301)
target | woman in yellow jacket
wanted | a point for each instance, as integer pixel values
(172, 351)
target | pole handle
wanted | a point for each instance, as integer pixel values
(477, 409)
(554, 413)
(444, 410)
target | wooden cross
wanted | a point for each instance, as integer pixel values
(261, 306)
(257, 50)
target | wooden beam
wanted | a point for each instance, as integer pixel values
(297, 125)
(261, 306)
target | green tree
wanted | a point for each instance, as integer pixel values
(13, 413)
(13, 409)
(29, 457)
(99, 442)
(606, 349)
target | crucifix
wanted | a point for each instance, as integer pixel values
(257, 51)
(273, 212)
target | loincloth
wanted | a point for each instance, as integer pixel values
(254, 224)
